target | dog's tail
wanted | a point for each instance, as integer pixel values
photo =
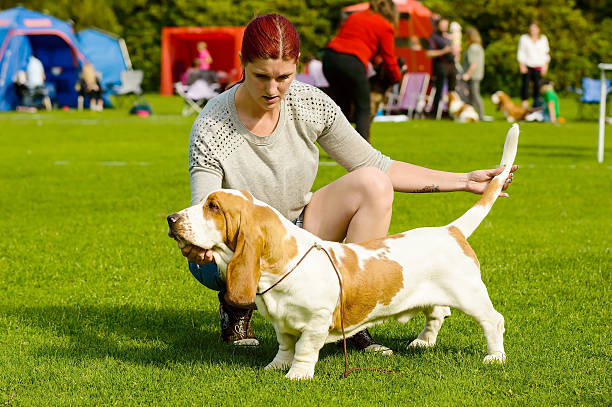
(475, 215)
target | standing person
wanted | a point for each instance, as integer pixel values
(204, 56)
(533, 57)
(347, 56)
(89, 86)
(261, 135)
(455, 36)
(440, 49)
(473, 69)
(35, 82)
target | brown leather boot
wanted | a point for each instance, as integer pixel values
(236, 324)
(363, 341)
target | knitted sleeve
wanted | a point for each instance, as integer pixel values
(336, 136)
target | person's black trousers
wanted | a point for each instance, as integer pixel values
(349, 86)
(442, 71)
(534, 76)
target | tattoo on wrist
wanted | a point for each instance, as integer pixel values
(429, 188)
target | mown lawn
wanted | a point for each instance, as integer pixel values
(97, 306)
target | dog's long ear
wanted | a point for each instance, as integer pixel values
(243, 270)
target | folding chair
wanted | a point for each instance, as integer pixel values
(131, 82)
(411, 95)
(195, 95)
(590, 94)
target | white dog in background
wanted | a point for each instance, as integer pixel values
(459, 110)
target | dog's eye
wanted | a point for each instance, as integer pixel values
(212, 206)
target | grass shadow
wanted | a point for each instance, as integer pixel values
(139, 335)
(152, 336)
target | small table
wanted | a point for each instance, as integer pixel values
(602, 110)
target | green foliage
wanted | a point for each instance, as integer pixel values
(579, 31)
(579, 37)
(82, 13)
(142, 23)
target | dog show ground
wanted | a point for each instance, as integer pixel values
(97, 307)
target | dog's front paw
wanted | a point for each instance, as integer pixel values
(497, 357)
(300, 372)
(278, 364)
(420, 343)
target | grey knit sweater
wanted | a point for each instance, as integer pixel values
(281, 167)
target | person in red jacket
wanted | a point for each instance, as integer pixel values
(347, 56)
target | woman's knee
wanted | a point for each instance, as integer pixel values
(375, 187)
(208, 275)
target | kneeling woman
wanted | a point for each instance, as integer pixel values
(261, 135)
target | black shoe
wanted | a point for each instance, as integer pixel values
(236, 324)
(363, 341)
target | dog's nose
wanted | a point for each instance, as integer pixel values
(172, 219)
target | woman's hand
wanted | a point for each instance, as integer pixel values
(197, 255)
(479, 180)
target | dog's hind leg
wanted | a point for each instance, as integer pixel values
(434, 318)
(474, 300)
(286, 351)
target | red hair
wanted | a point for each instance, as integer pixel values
(270, 37)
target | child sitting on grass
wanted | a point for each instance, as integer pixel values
(550, 111)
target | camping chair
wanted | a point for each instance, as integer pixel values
(410, 97)
(195, 95)
(130, 85)
(590, 94)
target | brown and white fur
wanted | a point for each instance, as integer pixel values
(511, 111)
(423, 270)
(459, 110)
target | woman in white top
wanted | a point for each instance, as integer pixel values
(262, 136)
(533, 57)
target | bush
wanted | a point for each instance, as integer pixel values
(579, 36)
(579, 32)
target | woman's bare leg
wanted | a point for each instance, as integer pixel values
(355, 207)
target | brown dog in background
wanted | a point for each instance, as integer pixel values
(512, 111)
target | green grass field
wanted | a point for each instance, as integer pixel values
(97, 306)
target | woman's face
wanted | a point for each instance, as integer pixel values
(534, 30)
(443, 25)
(267, 80)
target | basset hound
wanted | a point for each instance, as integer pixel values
(460, 111)
(424, 270)
(511, 111)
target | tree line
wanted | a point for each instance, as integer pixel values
(579, 31)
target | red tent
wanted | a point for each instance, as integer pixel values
(178, 49)
(415, 21)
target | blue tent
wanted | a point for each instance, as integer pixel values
(24, 32)
(107, 53)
